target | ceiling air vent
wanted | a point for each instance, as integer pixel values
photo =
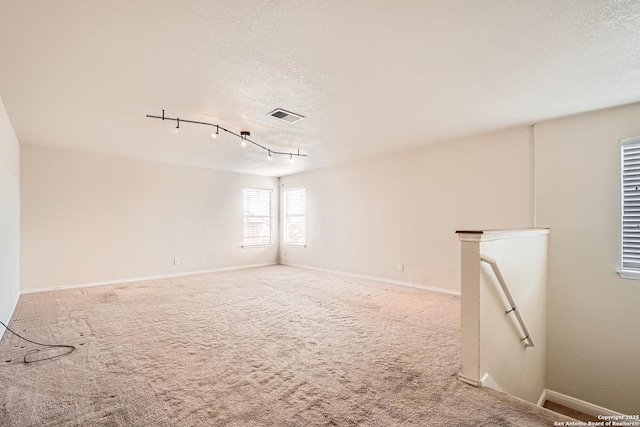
(287, 116)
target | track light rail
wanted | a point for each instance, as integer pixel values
(242, 135)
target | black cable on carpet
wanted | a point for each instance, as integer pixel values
(70, 347)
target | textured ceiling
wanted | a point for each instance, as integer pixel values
(369, 76)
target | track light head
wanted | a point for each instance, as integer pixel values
(177, 128)
(243, 137)
(270, 156)
(215, 134)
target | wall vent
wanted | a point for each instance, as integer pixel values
(287, 116)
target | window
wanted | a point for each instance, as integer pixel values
(630, 189)
(257, 217)
(294, 217)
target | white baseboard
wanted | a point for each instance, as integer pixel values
(377, 279)
(577, 404)
(8, 319)
(139, 279)
(543, 398)
(469, 381)
(487, 381)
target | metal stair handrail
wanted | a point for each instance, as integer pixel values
(512, 302)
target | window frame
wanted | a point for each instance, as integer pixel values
(245, 216)
(286, 215)
(627, 272)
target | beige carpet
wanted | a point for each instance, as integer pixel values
(271, 346)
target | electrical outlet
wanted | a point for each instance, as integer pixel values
(400, 267)
(176, 261)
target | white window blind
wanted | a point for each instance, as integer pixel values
(631, 204)
(294, 206)
(257, 217)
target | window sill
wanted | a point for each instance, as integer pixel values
(295, 245)
(629, 274)
(257, 246)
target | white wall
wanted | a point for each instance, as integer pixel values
(492, 341)
(594, 319)
(90, 218)
(9, 218)
(522, 260)
(368, 217)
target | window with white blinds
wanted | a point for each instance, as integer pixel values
(294, 233)
(257, 217)
(630, 206)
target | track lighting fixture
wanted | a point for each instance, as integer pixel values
(177, 128)
(243, 135)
